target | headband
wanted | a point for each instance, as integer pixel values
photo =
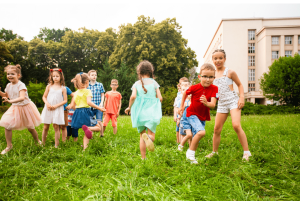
(51, 70)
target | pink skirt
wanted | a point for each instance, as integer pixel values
(21, 117)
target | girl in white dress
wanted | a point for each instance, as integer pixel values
(55, 97)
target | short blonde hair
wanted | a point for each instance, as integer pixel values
(115, 81)
(207, 66)
(91, 71)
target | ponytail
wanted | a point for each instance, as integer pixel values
(79, 80)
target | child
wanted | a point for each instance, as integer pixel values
(112, 105)
(22, 113)
(55, 97)
(178, 98)
(184, 86)
(83, 116)
(64, 127)
(228, 102)
(98, 97)
(69, 128)
(145, 106)
(203, 98)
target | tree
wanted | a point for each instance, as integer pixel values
(282, 82)
(36, 92)
(47, 34)
(161, 43)
(8, 35)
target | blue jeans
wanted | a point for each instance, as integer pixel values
(97, 113)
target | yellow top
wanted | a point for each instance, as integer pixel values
(80, 98)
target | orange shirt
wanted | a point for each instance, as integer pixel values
(112, 102)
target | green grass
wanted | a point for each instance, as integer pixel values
(112, 169)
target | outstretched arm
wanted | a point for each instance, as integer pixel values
(90, 103)
(237, 81)
(158, 94)
(3, 94)
(211, 104)
(131, 100)
(21, 97)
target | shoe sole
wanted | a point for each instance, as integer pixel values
(87, 132)
(149, 143)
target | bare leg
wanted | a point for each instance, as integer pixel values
(115, 129)
(57, 134)
(8, 136)
(177, 137)
(236, 123)
(143, 144)
(196, 139)
(75, 139)
(68, 137)
(220, 120)
(102, 128)
(85, 142)
(34, 135)
(45, 133)
(188, 136)
(85, 139)
(64, 132)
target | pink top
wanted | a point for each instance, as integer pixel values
(113, 102)
(13, 91)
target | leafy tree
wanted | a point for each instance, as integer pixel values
(35, 93)
(8, 35)
(47, 34)
(161, 43)
(5, 58)
(105, 75)
(282, 82)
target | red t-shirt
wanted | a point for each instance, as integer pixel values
(113, 102)
(197, 108)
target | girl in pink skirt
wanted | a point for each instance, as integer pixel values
(23, 113)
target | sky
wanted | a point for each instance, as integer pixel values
(199, 21)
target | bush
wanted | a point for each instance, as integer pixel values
(255, 109)
(36, 92)
(169, 95)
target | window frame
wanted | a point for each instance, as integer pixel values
(251, 75)
(251, 87)
(277, 56)
(288, 42)
(251, 32)
(251, 60)
(273, 37)
(285, 53)
(251, 48)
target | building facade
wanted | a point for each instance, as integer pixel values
(252, 45)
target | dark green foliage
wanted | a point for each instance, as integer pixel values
(36, 92)
(8, 35)
(282, 82)
(255, 109)
(47, 34)
(169, 96)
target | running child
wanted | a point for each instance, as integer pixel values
(22, 114)
(98, 97)
(112, 104)
(203, 98)
(145, 106)
(83, 116)
(55, 97)
(229, 101)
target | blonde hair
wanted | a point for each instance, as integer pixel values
(115, 81)
(79, 80)
(183, 79)
(207, 66)
(91, 71)
(16, 68)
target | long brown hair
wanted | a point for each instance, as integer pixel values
(62, 78)
(145, 68)
(79, 80)
(16, 68)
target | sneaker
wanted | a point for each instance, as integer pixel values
(210, 155)
(246, 157)
(148, 141)
(192, 159)
(40, 143)
(87, 132)
(7, 149)
(180, 147)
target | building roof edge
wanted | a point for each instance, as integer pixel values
(272, 27)
(260, 18)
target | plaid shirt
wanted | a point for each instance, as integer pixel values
(97, 89)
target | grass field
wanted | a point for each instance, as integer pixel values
(112, 169)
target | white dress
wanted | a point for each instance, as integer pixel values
(54, 116)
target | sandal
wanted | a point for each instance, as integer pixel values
(210, 155)
(148, 141)
(7, 149)
(246, 157)
(180, 148)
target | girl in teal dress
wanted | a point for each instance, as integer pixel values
(145, 106)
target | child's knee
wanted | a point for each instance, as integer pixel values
(201, 133)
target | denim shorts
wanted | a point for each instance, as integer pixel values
(187, 126)
(177, 128)
(97, 113)
(194, 124)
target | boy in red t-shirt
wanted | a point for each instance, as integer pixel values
(204, 97)
(112, 104)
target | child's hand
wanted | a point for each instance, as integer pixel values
(102, 109)
(49, 107)
(127, 110)
(203, 100)
(6, 100)
(54, 107)
(68, 107)
(241, 103)
(118, 114)
(175, 119)
(180, 111)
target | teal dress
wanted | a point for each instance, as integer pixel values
(146, 110)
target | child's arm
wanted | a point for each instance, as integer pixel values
(45, 98)
(3, 94)
(211, 104)
(120, 105)
(182, 103)
(175, 113)
(90, 103)
(158, 94)
(21, 97)
(72, 104)
(64, 101)
(102, 99)
(237, 81)
(131, 100)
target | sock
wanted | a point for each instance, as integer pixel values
(247, 152)
(190, 153)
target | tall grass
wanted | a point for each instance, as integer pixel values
(112, 169)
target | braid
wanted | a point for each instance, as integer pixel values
(219, 50)
(143, 84)
(145, 68)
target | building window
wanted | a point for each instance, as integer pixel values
(251, 87)
(288, 40)
(275, 40)
(288, 53)
(275, 54)
(299, 52)
(251, 35)
(251, 76)
(251, 47)
(299, 40)
(251, 60)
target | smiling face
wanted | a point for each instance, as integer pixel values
(218, 59)
(207, 77)
(12, 76)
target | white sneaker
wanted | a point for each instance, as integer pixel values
(192, 159)
(180, 147)
(246, 157)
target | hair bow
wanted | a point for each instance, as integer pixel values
(51, 70)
